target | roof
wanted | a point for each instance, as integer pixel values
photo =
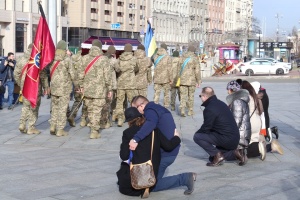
(228, 45)
(119, 43)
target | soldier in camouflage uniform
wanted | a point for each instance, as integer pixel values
(105, 115)
(190, 78)
(175, 73)
(162, 74)
(62, 75)
(127, 68)
(95, 83)
(144, 65)
(28, 113)
(76, 61)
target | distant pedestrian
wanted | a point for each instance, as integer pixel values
(245, 58)
(7, 68)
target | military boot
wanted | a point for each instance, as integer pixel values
(191, 112)
(71, 121)
(52, 129)
(94, 134)
(83, 122)
(120, 122)
(114, 117)
(61, 132)
(107, 125)
(172, 107)
(22, 128)
(33, 130)
(182, 112)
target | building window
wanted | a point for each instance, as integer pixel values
(120, 14)
(131, 5)
(131, 16)
(20, 35)
(106, 12)
(107, 2)
(94, 0)
(120, 3)
(142, 7)
(141, 16)
(93, 10)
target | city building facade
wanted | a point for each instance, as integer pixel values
(113, 18)
(180, 23)
(18, 24)
(215, 29)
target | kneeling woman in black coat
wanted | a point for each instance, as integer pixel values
(142, 152)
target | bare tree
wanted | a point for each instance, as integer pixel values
(295, 41)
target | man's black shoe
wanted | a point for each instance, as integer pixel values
(1, 108)
(9, 108)
(218, 159)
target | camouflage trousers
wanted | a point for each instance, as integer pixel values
(187, 97)
(142, 92)
(94, 109)
(114, 102)
(174, 92)
(166, 91)
(59, 106)
(105, 114)
(30, 114)
(120, 101)
(76, 105)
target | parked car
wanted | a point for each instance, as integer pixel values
(263, 67)
(289, 65)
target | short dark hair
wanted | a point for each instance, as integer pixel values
(208, 91)
(10, 53)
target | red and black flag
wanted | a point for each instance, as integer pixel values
(43, 51)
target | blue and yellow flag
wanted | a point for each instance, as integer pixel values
(150, 43)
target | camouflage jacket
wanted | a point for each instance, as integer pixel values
(175, 72)
(126, 69)
(163, 69)
(63, 76)
(113, 64)
(144, 64)
(97, 81)
(76, 62)
(191, 72)
(20, 77)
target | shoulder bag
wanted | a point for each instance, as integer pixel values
(142, 175)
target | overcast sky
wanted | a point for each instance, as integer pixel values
(288, 10)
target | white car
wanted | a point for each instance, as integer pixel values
(288, 65)
(263, 67)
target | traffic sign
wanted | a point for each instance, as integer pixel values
(115, 26)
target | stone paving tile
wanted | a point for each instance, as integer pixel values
(74, 167)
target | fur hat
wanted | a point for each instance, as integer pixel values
(256, 86)
(97, 43)
(111, 50)
(61, 45)
(128, 48)
(233, 85)
(175, 53)
(191, 48)
(164, 46)
(131, 113)
(30, 46)
(141, 47)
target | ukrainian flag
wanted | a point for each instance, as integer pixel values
(150, 43)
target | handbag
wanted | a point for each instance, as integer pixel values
(142, 175)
